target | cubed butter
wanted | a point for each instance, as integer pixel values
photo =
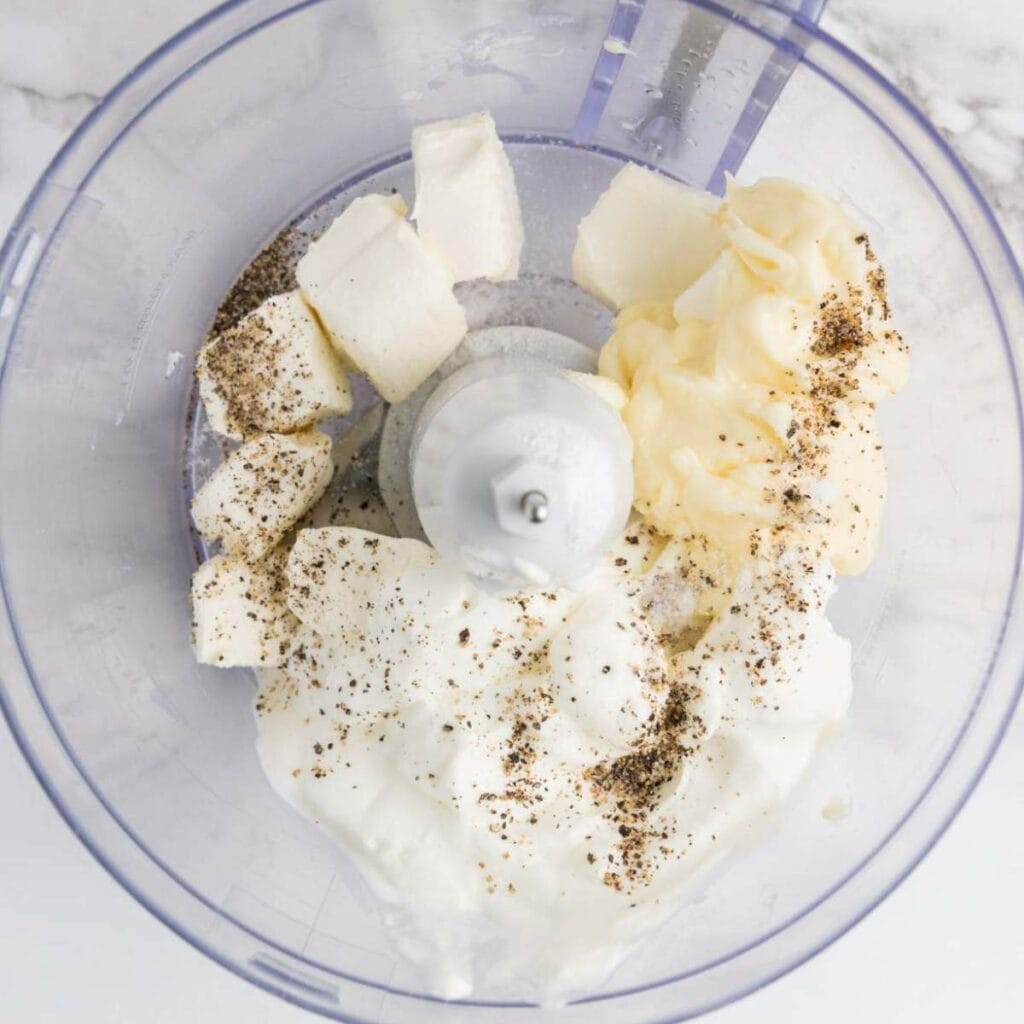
(384, 298)
(362, 221)
(647, 239)
(239, 614)
(467, 208)
(274, 372)
(337, 572)
(261, 490)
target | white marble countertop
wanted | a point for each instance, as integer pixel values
(946, 946)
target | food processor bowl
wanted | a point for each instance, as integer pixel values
(265, 111)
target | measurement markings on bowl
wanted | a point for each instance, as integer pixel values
(129, 374)
(40, 252)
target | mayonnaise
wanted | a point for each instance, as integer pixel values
(751, 395)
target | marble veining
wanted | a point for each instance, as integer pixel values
(963, 65)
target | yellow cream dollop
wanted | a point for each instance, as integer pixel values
(751, 396)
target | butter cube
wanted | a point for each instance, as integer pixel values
(648, 238)
(274, 372)
(261, 490)
(338, 573)
(384, 298)
(467, 208)
(239, 614)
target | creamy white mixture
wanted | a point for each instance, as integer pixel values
(475, 752)
(543, 772)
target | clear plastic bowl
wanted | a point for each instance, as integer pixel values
(256, 114)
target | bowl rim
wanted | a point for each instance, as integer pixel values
(106, 120)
